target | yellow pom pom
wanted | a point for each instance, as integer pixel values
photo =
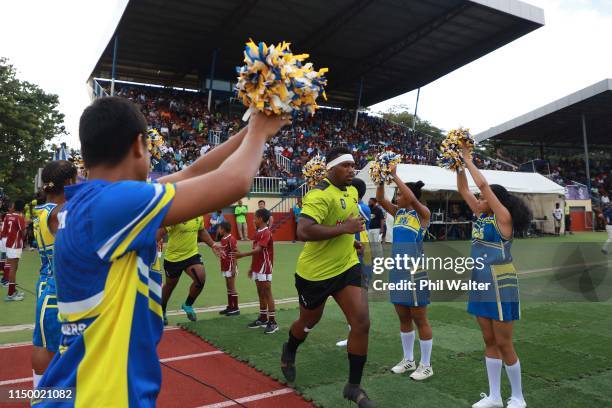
(315, 170)
(449, 157)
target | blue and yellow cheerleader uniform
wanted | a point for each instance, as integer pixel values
(408, 234)
(47, 331)
(501, 300)
(42, 252)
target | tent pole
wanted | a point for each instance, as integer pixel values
(446, 219)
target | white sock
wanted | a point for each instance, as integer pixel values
(494, 369)
(408, 345)
(426, 351)
(36, 379)
(514, 375)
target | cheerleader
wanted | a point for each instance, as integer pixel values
(409, 226)
(498, 213)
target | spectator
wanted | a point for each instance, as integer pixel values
(215, 219)
(241, 211)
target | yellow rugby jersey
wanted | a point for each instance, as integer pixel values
(326, 204)
(183, 240)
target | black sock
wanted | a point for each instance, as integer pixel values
(164, 309)
(293, 343)
(356, 364)
(190, 300)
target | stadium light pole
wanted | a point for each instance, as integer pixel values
(358, 102)
(114, 70)
(212, 75)
(586, 152)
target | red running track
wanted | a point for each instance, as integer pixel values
(190, 355)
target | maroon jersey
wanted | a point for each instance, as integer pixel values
(228, 263)
(12, 228)
(263, 261)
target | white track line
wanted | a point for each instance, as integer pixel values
(20, 327)
(251, 398)
(15, 345)
(163, 360)
(16, 381)
(190, 356)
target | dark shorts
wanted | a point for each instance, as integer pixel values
(313, 294)
(174, 269)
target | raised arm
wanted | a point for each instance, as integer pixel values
(422, 210)
(468, 196)
(209, 161)
(504, 220)
(193, 197)
(384, 203)
(309, 230)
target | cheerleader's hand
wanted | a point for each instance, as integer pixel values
(466, 152)
(393, 169)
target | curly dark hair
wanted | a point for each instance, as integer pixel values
(519, 211)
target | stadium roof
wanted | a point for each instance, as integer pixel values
(560, 122)
(394, 45)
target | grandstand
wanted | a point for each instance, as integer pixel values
(571, 137)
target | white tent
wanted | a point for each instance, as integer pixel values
(540, 193)
(437, 179)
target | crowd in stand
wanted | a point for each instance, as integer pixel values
(187, 126)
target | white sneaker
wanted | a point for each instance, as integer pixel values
(515, 403)
(487, 402)
(403, 366)
(15, 297)
(422, 372)
(342, 343)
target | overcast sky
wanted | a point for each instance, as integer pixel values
(56, 44)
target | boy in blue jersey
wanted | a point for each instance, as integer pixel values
(109, 297)
(55, 176)
(361, 237)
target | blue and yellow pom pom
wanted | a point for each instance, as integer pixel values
(275, 81)
(154, 142)
(450, 147)
(380, 168)
(315, 170)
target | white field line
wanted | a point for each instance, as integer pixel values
(250, 398)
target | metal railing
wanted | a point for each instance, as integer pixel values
(283, 162)
(214, 137)
(272, 185)
(98, 90)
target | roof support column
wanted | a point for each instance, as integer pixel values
(114, 69)
(358, 102)
(586, 153)
(212, 76)
(416, 107)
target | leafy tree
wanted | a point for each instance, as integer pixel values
(28, 120)
(401, 114)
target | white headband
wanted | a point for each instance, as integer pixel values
(340, 159)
